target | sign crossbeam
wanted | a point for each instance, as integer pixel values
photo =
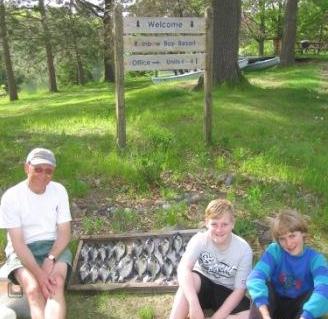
(164, 62)
(163, 25)
(163, 43)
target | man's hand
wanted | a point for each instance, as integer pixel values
(46, 285)
(48, 265)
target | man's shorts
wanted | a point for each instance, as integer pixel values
(40, 250)
(212, 296)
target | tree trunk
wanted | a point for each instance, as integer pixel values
(278, 21)
(79, 65)
(262, 27)
(12, 88)
(48, 47)
(261, 47)
(287, 55)
(227, 15)
(108, 42)
(277, 46)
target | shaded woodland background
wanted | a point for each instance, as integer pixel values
(56, 43)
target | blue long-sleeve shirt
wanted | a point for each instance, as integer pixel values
(291, 276)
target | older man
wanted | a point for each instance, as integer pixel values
(37, 217)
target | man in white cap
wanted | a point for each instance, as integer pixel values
(37, 217)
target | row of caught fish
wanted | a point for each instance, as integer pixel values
(138, 247)
(142, 260)
(142, 269)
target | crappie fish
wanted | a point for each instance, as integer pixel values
(120, 250)
(153, 268)
(140, 266)
(85, 252)
(158, 255)
(103, 273)
(125, 268)
(93, 253)
(84, 272)
(177, 242)
(149, 246)
(164, 246)
(102, 252)
(109, 249)
(111, 263)
(94, 273)
(174, 257)
(137, 248)
(113, 275)
(167, 268)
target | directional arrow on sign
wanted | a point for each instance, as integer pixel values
(164, 62)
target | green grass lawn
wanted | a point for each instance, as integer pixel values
(271, 134)
(273, 131)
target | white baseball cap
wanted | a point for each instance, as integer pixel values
(41, 156)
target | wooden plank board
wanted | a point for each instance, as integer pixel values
(133, 284)
(163, 43)
(134, 235)
(163, 25)
(164, 62)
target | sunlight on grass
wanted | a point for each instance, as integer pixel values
(255, 111)
(262, 166)
(273, 130)
(306, 77)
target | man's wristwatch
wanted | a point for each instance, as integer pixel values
(52, 257)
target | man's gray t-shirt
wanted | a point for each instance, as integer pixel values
(229, 267)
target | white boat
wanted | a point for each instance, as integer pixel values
(262, 63)
(191, 75)
(178, 77)
(243, 62)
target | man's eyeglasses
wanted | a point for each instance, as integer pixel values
(39, 170)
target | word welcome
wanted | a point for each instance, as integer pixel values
(165, 24)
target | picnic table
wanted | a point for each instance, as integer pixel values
(307, 46)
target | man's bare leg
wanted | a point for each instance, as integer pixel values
(56, 306)
(32, 291)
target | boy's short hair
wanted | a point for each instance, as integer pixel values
(218, 207)
(287, 221)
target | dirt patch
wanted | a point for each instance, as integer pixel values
(188, 197)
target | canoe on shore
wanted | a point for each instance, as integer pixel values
(191, 75)
(179, 77)
(262, 63)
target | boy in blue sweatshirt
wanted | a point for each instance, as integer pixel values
(290, 281)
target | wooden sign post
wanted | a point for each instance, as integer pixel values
(119, 78)
(208, 78)
(173, 43)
